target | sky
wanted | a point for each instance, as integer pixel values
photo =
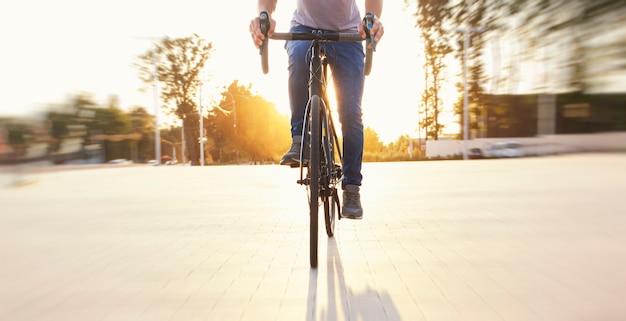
(56, 48)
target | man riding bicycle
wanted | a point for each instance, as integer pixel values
(346, 60)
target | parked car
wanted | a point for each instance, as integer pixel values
(475, 153)
(120, 161)
(506, 150)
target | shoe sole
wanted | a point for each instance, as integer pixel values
(294, 163)
(352, 217)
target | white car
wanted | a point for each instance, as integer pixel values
(119, 161)
(506, 150)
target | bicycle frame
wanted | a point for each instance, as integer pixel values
(318, 82)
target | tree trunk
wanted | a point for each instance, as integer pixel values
(192, 136)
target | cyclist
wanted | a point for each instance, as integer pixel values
(346, 60)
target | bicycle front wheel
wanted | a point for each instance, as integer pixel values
(314, 173)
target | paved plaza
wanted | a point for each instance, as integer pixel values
(510, 240)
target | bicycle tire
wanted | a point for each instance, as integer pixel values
(329, 179)
(314, 172)
(331, 211)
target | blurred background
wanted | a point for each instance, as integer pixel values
(542, 77)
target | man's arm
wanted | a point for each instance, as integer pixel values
(373, 6)
(266, 5)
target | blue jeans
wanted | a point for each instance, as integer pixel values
(346, 60)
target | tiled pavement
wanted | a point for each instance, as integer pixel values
(521, 239)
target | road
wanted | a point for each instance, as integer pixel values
(515, 239)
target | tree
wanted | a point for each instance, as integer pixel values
(373, 147)
(62, 119)
(472, 14)
(431, 17)
(112, 127)
(171, 145)
(244, 126)
(179, 66)
(18, 135)
(568, 38)
(142, 123)
(89, 128)
(399, 150)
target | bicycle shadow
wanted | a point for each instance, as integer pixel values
(343, 303)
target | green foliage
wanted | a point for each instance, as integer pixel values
(375, 151)
(179, 65)
(372, 147)
(107, 130)
(261, 133)
(478, 16)
(142, 123)
(431, 17)
(16, 134)
(246, 127)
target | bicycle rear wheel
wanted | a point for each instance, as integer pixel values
(314, 173)
(330, 175)
(331, 211)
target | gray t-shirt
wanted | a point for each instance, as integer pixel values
(334, 15)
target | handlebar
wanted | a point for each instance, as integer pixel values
(326, 36)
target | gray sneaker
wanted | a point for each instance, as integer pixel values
(351, 203)
(292, 157)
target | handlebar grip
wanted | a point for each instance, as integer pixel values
(368, 25)
(263, 50)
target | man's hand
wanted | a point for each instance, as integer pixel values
(255, 30)
(377, 30)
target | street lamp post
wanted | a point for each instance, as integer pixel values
(234, 120)
(182, 141)
(226, 112)
(157, 135)
(201, 127)
(234, 111)
(466, 45)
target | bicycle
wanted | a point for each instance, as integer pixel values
(321, 171)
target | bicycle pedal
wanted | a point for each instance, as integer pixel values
(297, 165)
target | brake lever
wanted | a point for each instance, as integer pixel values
(265, 27)
(368, 25)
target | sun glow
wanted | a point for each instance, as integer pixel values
(393, 88)
(99, 60)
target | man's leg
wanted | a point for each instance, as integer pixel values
(298, 92)
(347, 62)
